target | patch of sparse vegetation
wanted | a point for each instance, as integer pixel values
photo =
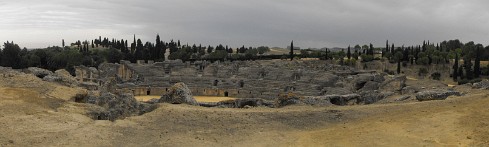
(436, 76)
(422, 72)
(287, 99)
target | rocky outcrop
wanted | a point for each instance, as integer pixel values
(178, 94)
(370, 85)
(239, 103)
(393, 84)
(335, 91)
(107, 70)
(61, 76)
(409, 90)
(370, 97)
(373, 81)
(287, 99)
(317, 101)
(342, 100)
(326, 80)
(435, 95)
(115, 106)
(38, 72)
(484, 84)
(403, 98)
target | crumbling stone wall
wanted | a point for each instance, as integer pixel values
(242, 79)
(86, 74)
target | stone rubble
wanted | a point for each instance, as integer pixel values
(435, 95)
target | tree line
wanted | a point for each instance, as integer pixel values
(157, 51)
(93, 53)
(427, 53)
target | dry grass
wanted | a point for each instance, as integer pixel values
(411, 78)
(146, 97)
(212, 98)
(484, 63)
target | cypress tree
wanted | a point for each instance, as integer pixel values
(469, 74)
(398, 66)
(139, 50)
(424, 46)
(477, 64)
(63, 43)
(386, 48)
(133, 45)
(392, 49)
(209, 49)
(124, 46)
(348, 53)
(355, 55)
(158, 47)
(327, 54)
(461, 72)
(406, 54)
(455, 68)
(292, 50)
(371, 49)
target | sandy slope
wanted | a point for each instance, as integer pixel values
(43, 116)
(454, 122)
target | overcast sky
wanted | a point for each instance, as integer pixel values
(310, 23)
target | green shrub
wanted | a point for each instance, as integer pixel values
(465, 81)
(350, 62)
(436, 76)
(389, 72)
(422, 71)
(367, 58)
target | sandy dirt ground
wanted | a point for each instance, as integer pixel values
(212, 98)
(146, 97)
(44, 115)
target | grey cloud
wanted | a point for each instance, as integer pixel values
(311, 23)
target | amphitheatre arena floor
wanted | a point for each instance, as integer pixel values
(33, 115)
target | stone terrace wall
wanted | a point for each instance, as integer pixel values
(243, 79)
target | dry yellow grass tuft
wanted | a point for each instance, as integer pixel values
(146, 97)
(212, 98)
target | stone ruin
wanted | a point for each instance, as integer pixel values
(316, 81)
(60, 76)
(111, 104)
(178, 94)
(254, 83)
